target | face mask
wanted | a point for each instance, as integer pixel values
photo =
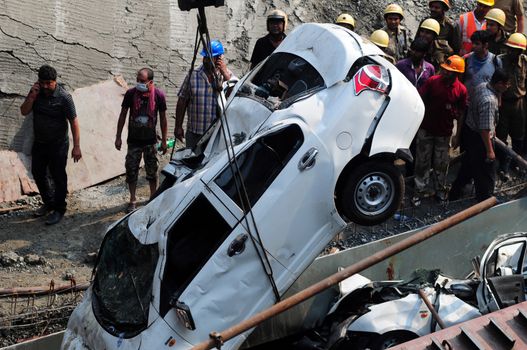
(142, 87)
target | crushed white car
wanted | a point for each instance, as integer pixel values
(308, 143)
(382, 314)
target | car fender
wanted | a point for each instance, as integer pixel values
(397, 126)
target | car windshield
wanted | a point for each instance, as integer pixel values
(122, 287)
(283, 78)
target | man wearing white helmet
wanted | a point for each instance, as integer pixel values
(495, 22)
(276, 26)
(398, 34)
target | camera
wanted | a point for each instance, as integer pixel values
(187, 5)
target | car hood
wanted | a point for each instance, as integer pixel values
(329, 48)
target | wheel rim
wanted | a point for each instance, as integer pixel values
(374, 193)
(390, 342)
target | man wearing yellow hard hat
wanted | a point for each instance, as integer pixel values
(399, 35)
(471, 21)
(512, 110)
(381, 39)
(495, 22)
(346, 20)
(429, 30)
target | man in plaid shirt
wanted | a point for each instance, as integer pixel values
(196, 95)
(477, 138)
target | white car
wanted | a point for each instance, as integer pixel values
(314, 131)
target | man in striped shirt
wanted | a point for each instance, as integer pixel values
(197, 98)
(477, 137)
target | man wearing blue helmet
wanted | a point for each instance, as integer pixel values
(196, 95)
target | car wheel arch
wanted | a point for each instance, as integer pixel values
(347, 173)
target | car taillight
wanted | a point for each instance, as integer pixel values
(371, 77)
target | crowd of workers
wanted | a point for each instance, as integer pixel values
(470, 70)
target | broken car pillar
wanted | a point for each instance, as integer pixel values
(342, 275)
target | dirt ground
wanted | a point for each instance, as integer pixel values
(66, 246)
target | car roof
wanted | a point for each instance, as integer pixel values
(329, 48)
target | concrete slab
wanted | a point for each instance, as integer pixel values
(98, 108)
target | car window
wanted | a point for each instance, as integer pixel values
(261, 163)
(192, 240)
(123, 282)
(506, 260)
(283, 77)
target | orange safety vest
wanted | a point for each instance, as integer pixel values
(467, 26)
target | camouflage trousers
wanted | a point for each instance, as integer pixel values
(133, 159)
(431, 163)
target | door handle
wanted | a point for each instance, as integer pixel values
(237, 246)
(308, 160)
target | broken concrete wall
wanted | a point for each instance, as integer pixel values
(91, 41)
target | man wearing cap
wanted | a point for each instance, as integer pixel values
(448, 39)
(346, 20)
(472, 21)
(197, 95)
(265, 46)
(399, 36)
(477, 136)
(445, 99)
(514, 14)
(495, 22)
(512, 111)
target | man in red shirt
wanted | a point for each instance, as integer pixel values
(445, 99)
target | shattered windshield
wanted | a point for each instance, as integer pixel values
(283, 78)
(123, 283)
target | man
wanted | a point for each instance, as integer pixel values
(445, 99)
(145, 102)
(415, 68)
(477, 134)
(399, 36)
(52, 108)
(381, 39)
(276, 26)
(480, 63)
(417, 71)
(197, 95)
(345, 20)
(514, 12)
(448, 41)
(428, 31)
(469, 22)
(498, 37)
(512, 112)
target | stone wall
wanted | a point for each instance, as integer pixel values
(92, 41)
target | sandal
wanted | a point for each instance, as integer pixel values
(131, 207)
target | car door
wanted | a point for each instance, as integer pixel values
(503, 272)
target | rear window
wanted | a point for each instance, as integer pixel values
(261, 163)
(283, 78)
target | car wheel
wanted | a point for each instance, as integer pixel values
(390, 339)
(372, 193)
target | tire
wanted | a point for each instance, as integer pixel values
(390, 339)
(372, 193)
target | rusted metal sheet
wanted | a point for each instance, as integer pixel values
(503, 329)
